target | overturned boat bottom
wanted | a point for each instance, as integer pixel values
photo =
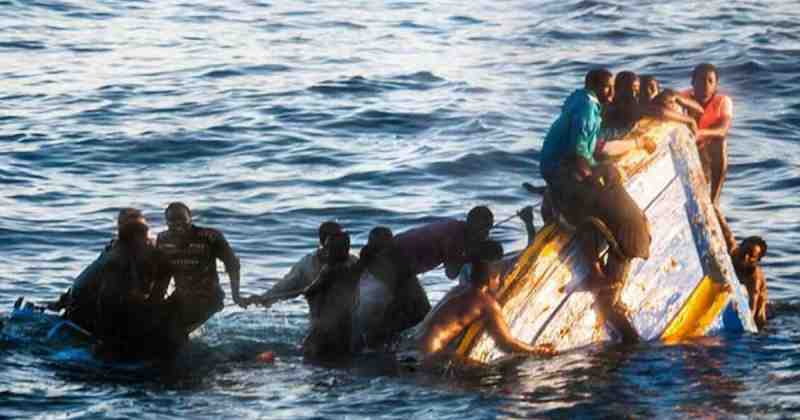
(686, 288)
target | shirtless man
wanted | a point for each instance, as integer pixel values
(746, 259)
(475, 302)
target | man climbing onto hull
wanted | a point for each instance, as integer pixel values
(590, 195)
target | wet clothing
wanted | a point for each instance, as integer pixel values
(331, 300)
(428, 246)
(133, 321)
(193, 257)
(611, 203)
(302, 274)
(714, 155)
(80, 300)
(575, 132)
(391, 300)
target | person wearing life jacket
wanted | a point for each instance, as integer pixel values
(590, 193)
(713, 112)
(713, 124)
(193, 252)
(133, 319)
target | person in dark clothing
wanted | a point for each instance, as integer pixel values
(133, 321)
(391, 300)
(445, 242)
(193, 252)
(591, 196)
(331, 298)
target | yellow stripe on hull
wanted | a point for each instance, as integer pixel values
(698, 313)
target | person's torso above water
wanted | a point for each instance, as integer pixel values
(193, 258)
(430, 245)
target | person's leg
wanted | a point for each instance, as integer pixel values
(718, 157)
(610, 298)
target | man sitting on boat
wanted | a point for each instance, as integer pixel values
(467, 304)
(587, 193)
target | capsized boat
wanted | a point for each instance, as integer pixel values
(687, 287)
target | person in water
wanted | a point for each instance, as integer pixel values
(193, 252)
(391, 300)
(331, 298)
(445, 242)
(589, 194)
(133, 320)
(746, 260)
(79, 302)
(474, 302)
(303, 272)
(714, 114)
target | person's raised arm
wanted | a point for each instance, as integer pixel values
(663, 113)
(690, 104)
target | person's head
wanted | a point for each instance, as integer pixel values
(481, 257)
(668, 99)
(751, 250)
(626, 86)
(648, 88)
(327, 229)
(380, 238)
(479, 222)
(601, 82)
(705, 80)
(337, 247)
(179, 218)
(132, 226)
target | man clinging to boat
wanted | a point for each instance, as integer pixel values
(466, 304)
(588, 193)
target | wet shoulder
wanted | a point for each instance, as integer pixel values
(208, 234)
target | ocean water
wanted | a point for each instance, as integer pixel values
(270, 117)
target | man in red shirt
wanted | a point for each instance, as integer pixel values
(713, 112)
(713, 124)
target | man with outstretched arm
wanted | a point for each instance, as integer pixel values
(469, 303)
(193, 252)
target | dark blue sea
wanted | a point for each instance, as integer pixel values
(270, 117)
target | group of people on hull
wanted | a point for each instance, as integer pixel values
(368, 301)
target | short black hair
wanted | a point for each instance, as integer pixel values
(175, 205)
(596, 76)
(328, 228)
(664, 95)
(380, 237)
(703, 68)
(338, 247)
(755, 240)
(480, 216)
